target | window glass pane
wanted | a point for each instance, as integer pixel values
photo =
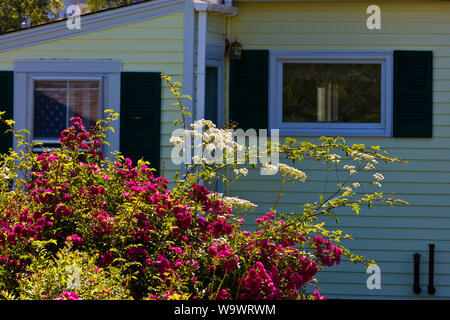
(84, 84)
(211, 95)
(84, 104)
(328, 92)
(50, 85)
(50, 108)
(55, 102)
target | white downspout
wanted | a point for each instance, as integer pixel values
(201, 64)
(202, 7)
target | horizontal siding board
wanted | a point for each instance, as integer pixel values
(170, 68)
(391, 278)
(389, 235)
(153, 45)
(383, 244)
(315, 186)
(280, 38)
(405, 256)
(160, 58)
(317, 27)
(216, 29)
(404, 176)
(160, 45)
(300, 198)
(156, 33)
(387, 291)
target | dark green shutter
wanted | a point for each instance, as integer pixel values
(140, 116)
(413, 94)
(249, 87)
(6, 104)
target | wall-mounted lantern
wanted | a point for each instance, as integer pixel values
(236, 50)
(233, 50)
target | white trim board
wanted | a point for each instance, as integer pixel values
(27, 69)
(67, 66)
(90, 23)
(331, 0)
(31, 89)
(382, 129)
(216, 8)
(189, 56)
(219, 64)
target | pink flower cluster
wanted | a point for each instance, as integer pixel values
(260, 284)
(21, 226)
(105, 259)
(297, 278)
(183, 217)
(67, 295)
(126, 216)
(209, 205)
(327, 253)
(102, 224)
(228, 259)
(76, 137)
(8, 260)
(75, 240)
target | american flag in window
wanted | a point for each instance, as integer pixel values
(55, 102)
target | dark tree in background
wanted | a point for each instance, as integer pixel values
(94, 5)
(14, 12)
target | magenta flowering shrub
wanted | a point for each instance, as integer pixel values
(165, 244)
(127, 234)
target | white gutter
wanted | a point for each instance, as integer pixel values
(203, 7)
(201, 64)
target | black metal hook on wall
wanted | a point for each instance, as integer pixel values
(416, 285)
(431, 288)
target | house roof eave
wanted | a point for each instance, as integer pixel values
(89, 23)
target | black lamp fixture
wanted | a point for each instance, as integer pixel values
(234, 50)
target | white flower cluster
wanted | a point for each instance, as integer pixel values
(176, 140)
(378, 178)
(334, 158)
(347, 189)
(360, 156)
(5, 174)
(351, 169)
(234, 202)
(270, 169)
(240, 203)
(292, 173)
(242, 171)
(207, 140)
(356, 185)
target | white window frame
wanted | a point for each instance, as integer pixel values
(214, 58)
(31, 107)
(26, 71)
(382, 129)
(215, 63)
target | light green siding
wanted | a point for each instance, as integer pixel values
(153, 45)
(389, 235)
(216, 29)
(215, 36)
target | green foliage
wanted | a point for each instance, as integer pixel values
(95, 5)
(14, 12)
(77, 225)
(71, 270)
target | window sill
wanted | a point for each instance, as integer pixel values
(336, 132)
